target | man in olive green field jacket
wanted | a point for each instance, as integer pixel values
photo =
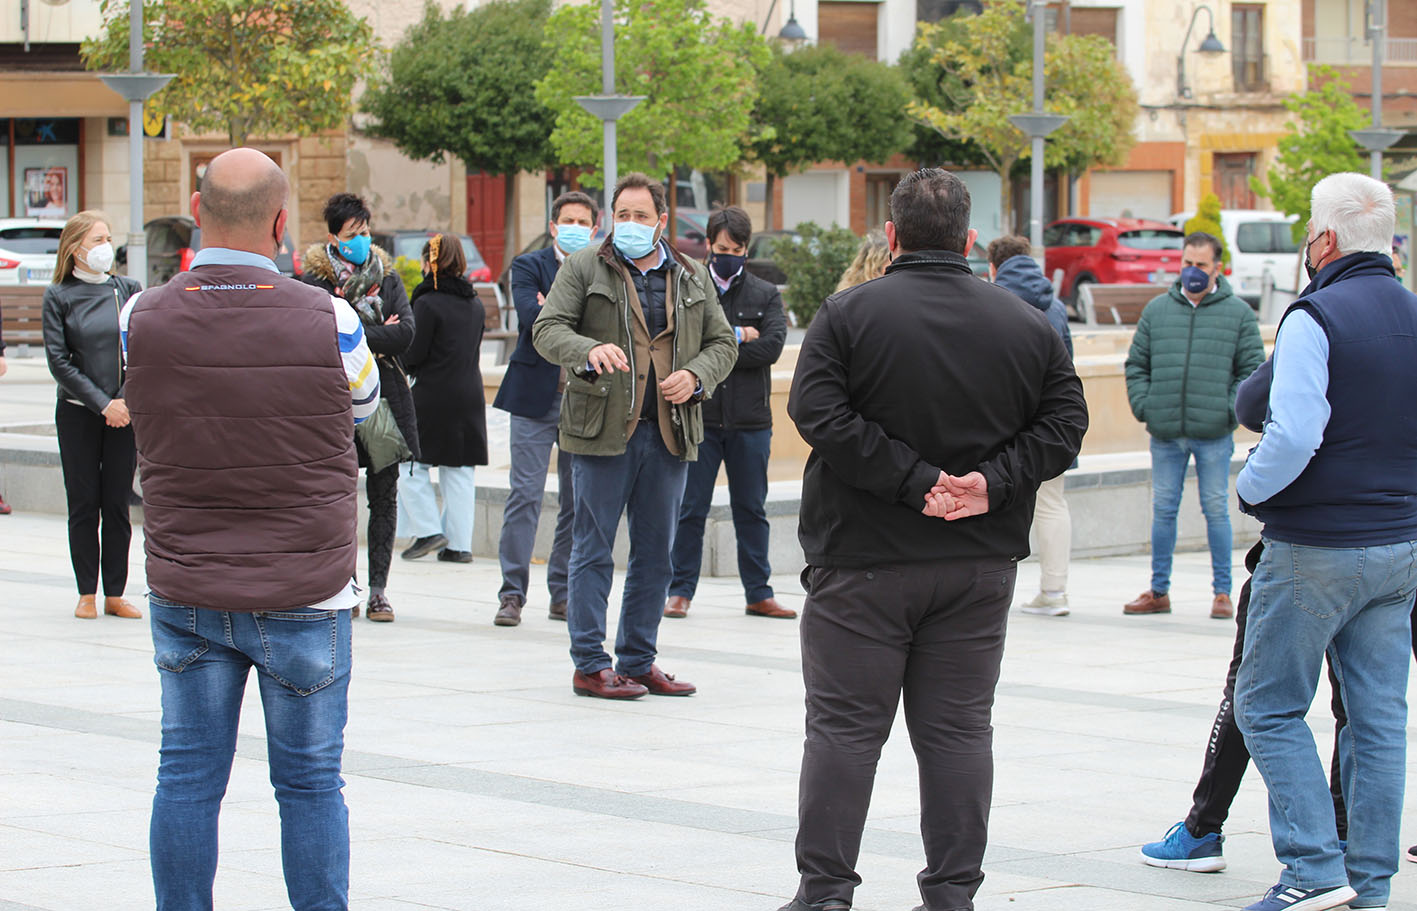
(638, 329)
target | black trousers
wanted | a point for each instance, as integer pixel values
(933, 632)
(382, 489)
(1227, 757)
(98, 463)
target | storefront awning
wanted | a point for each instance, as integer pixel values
(61, 94)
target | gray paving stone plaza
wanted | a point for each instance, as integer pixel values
(477, 780)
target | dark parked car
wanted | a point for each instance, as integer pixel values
(174, 239)
(760, 255)
(410, 244)
(1111, 250)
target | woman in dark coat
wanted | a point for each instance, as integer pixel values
(452, 411)
(96, 448)
(348, 265)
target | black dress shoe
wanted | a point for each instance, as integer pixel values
(831, 904)
(422, 547)
(558, 610)
(455, 556)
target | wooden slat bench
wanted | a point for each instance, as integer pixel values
(21, 306)
(1120, 304)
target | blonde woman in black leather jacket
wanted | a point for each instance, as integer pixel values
(96, 448)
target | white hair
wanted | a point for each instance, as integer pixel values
(1358, 209)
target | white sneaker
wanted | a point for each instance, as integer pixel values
(1047, 605)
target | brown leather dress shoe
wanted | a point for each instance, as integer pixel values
(662, 684)
(1148, 602)
(1221, 608)
(606, 684)
(86, 610)
(676, 607)
(509, 612)
(118, 607)
(770, 608)
(557, 611)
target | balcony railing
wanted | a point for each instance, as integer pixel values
(1357, 51)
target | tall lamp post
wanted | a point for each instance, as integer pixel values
(1037, 125)
(608, 106)
(135, 87)
(1211, 45)
(1376, 138)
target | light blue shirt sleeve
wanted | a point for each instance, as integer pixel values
(1298, 410)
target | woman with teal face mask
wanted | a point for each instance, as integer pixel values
(348, 265)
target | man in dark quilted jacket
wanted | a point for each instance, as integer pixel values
(1192, 348)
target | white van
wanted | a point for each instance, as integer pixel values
(1259, 242)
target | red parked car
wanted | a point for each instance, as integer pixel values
(1111, 250)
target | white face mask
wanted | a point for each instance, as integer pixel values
(100, 258)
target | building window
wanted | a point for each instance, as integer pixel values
(1247, 51)
(43, 157)
(935, 10)
(849, 26)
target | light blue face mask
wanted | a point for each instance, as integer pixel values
(356, 249)
(571, 238)
(634, 240)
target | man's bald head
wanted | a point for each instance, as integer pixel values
(243, 195)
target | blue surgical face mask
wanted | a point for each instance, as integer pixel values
(726, 265)
(571, 238)
(1195, 279)
(634, 240)
(356, 249)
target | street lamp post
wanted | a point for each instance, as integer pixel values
(1211, 45)
(608, 107)
(1037, 125)
(135, 87)
(1376, 138)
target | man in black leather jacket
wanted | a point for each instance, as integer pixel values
(737, 427)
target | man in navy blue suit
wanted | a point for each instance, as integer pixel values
(531, 394)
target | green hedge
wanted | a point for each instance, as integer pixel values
(814, 266)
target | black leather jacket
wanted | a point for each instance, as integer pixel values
(81, 339)
(744, 400)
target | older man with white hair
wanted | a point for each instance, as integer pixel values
(1334, 480)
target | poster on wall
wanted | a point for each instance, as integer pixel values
(47, 191)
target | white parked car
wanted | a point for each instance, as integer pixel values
(1259, 242)
(27, 249)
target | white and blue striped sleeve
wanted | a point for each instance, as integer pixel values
(123, 316)
(358, 362)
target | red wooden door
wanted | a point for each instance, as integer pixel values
(487, 217)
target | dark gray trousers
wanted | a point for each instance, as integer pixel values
(531, 442)
(933, 632)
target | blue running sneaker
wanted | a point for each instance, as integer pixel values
(1180, 850)
(1292, 898)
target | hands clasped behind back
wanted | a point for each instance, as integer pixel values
(954, 498)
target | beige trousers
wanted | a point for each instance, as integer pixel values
(1051, 536)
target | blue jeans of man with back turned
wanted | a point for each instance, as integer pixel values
(1168, 475)
(1356, 604)
(302, 660)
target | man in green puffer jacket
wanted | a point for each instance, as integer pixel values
(1192, 348)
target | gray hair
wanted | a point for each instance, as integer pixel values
(1359, 210)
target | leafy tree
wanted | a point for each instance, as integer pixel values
(814, 266)
(987, 71)
(697, 70)
(245, 67)
(462, 85)
(819, 104)
(1207, 219)
(937, 87)
(1318, 145)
